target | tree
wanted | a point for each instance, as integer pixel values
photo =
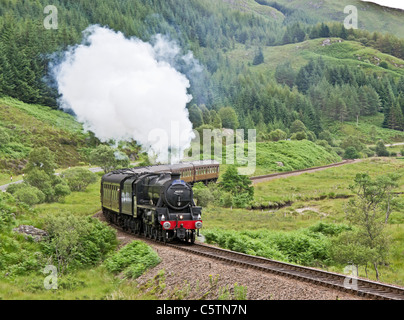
(104, 157)
(259, 57)
(78, 179)
(324, 31)
(285, 74)
(367, 212)
(396, 118)
(237, 185)
(301, 135)
(41, 159)
(229, 118)
(216, 122)
(297, 126)
(195, 116)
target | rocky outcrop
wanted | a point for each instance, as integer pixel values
(35, 233)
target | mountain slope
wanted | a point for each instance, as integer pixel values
(371, 17)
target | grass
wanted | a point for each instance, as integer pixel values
(330, 183)
(369, 130)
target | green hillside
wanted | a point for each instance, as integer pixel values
(24, 127)
(336, 52)
(371, 16)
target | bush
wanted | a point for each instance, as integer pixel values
(29, 195)
(202, 194)
(381, 149)
(75, 242)
(304, 247)
(61, 190)
(299, 136)
(351, 153)
(277, 135)
(329, 229)
(238, 186)
(133, 259)
(7, 212)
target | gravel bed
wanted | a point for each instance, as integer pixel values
(188, 276)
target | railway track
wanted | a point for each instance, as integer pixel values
(359, 287)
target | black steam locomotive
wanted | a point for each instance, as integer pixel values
(157, 205)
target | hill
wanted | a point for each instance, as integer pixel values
(24, 127)
(371, 16)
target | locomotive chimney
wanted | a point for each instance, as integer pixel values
(175, 176)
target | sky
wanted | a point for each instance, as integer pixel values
(389, 3)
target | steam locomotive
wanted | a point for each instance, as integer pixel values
(156, 201)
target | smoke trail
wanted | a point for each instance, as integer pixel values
(122, 88)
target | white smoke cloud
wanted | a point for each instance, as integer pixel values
(122, 88)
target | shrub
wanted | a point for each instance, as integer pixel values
(29, 195)
(303, 247)
(381, 149)
(277, 135)
(351, 153)
(329, 229)
(75, 242)
(202, 194)
(61, 190)
(299, 136)
(133, 259)
(7, 212)
(238, 186)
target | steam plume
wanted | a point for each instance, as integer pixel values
(122, 88)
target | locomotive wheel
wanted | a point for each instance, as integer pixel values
(192, 237)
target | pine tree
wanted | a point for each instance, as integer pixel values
(259, 57)
(396, 118)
